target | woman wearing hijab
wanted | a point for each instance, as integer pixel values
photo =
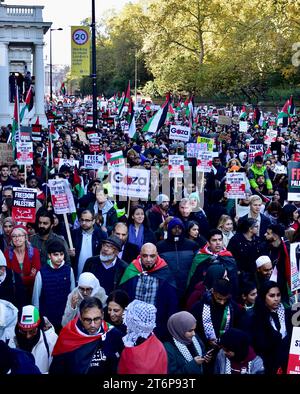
(143, 352)
(236, 356)
(88, 286)
(186, 352)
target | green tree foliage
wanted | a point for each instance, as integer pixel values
(209, 47)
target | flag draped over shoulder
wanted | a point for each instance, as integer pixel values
(28, 103)
(158, 120)
(283, 116)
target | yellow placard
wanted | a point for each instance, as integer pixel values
(80, 50)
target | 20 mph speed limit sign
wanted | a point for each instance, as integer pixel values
(80, 36)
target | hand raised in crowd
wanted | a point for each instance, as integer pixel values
(75, 300)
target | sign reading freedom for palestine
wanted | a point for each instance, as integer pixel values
(293, 181)
(24, 204)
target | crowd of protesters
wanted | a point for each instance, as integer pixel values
(186, 281)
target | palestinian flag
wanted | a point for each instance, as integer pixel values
(124, 101)
(178, 105)
(158, 120)
(28, 103)
(243, 114)
(291, 108)
(15, 133)
(171, 112)
(78, 183)
(131, 120)
(115, 159)
(283, 116)
(63, 89)
(256, 116)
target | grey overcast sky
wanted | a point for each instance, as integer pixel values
(66, 13)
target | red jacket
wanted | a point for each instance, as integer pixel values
(28, 264)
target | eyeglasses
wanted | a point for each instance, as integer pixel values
(18, 236)
(86, 220)
(89, 320)
(85, 289)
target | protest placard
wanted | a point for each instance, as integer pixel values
(61, 196)
(6, 154)
(235, 185)
(130, 182)
(115, 159)
(294, 356)
(224, 120)
(243, 126)
(180, 133)
(176, 166)
(204, 161)
(24, 153)
(93, 162)
(295, 259)
(24, 204)
(206, 144)
(294, 181)
(68, 162)
(255, 150)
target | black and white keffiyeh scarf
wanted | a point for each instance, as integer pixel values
(185, 351)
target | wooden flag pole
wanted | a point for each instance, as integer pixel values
(68, 231)
(128, 208)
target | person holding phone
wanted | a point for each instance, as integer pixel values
(186, 352)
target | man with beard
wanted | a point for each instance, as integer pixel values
(149, 279)
(35, 335)
(107, 267)
(45, 236)
(129, 250)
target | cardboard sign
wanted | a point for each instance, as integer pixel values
(24, 153)
(293, 181)
(94, 141)
(294, 356)
(61, 196)
(93, 162)
(235, 185)
(176, 166)
(255, 150)
(204, 162)
(295, 261)
(180, 133)
(224, 120)
(24, 204)
(130, 182)
(6, 154)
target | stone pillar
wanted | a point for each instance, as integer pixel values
(5, 117)
(39, 84)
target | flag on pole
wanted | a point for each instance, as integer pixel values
(131, 119)
(14, 136)
(78, 183)
(125, 100)
(292, 108)
(283, 116)
(28, 103)
(256, 116)
(63, 89)
(243, 114)
(158, 120)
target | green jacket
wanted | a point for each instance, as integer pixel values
(255, 172)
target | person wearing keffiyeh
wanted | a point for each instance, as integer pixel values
(143, 352)
(271, 328)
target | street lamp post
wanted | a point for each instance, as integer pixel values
(51, 30)
(94, 72)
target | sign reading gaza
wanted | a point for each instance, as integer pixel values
(130, 182)
(181, 133)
